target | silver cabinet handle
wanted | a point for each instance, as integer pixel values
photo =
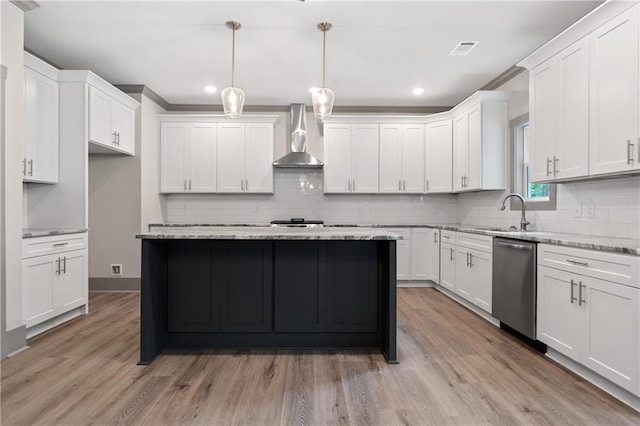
(64, 265)
(114, 138)
(435, 237)
(189, 184)
(185, 185)
(246, 184)
(241, 184)
(555, 165)
(573, 299)
(404, 185)
(470, 260)
(575, 262)
(580, 299)
(451, 253)
(461, 181)
(353, 185)
(24, 167)
(427, 184)
(629, 152)
(60, 244)
(400, 185)
(467, 259)
(118, 138)
(58, 266)
(548, 168)
(31, 167)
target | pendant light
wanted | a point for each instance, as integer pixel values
(233, 97)
(322, 98)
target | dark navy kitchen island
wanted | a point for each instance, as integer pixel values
(261, 287)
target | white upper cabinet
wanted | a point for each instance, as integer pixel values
(585, 97)
(188, 157)
(402, 158)
(40, 162)
(439, 157)
(351, 158)
(479, 143)
(111, 123)
(615, 94)
(245, 154)
(559, 115)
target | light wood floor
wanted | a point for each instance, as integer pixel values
(455, 368)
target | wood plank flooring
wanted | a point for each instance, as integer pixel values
(455, 369)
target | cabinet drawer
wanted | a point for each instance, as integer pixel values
(619, 268)
(40, 246)
(475, 241)
(448, 236)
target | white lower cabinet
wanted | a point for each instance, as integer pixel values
(420, 248)
(417, 254)
(55, 277)
(593, 321)
(403, 254)
(466, 267)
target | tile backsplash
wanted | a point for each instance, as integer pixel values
(299, 193)
(608, 207)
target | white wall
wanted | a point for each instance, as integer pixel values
(12, 40)
(615, 202)
(154, 206)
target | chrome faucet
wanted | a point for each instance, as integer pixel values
(523, 220)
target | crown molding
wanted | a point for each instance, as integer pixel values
(503, 78)
(26, 5)
(144, 90)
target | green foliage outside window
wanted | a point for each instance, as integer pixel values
(537, 190)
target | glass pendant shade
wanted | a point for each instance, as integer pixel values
(322, 100)
(233, 101)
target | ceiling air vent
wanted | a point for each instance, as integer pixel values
(463, 48)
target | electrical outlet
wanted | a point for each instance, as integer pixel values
(116, 269)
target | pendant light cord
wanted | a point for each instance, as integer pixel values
(233, 54)
(324, 57)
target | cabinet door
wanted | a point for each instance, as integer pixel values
(337, 158)
(610, 338)
(38, 277)
(434, 255)
(390, 158)
(420, 248)
(448, 256)
(542, 120)
(558, 316)
(480, 268)
(258, 158)
(364, 158)
(439, 157)
(192, 300)
(474, 155)
(201, 158)
(614, 94)
(460, 150)
(41, 128)
(300, 286)
(123, 123)
(71, 288)
(572, 114)
(403, 254)
(464, 276)
(100, 130)
(352, 287)
(230, 164)
(412, 158)
(242, 271)
(173, 149)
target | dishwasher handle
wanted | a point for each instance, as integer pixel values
(514, 245)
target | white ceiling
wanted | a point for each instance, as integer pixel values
(377, 51)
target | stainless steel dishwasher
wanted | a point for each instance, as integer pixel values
(514, 285)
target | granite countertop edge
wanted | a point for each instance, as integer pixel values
(590, 242)
(34, 233)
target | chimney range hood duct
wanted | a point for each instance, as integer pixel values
(298, 157)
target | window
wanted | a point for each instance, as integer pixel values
(539, 196)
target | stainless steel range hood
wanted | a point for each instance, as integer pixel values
(298, 157)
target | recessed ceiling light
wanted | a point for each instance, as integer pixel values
(210, 89)
(418, 91)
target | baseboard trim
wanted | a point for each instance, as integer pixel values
(483, 314)
(409, 284)
(56, 321)
(114, 284)
(14, 341)
(595, 379)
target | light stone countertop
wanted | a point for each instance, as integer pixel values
(46, 232)
(591, 242)
(269, 233)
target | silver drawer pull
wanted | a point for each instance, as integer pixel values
(580, 299)
(575, 262)
(548, 168)
(573, 299)
(629, 152)
(60, 244)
